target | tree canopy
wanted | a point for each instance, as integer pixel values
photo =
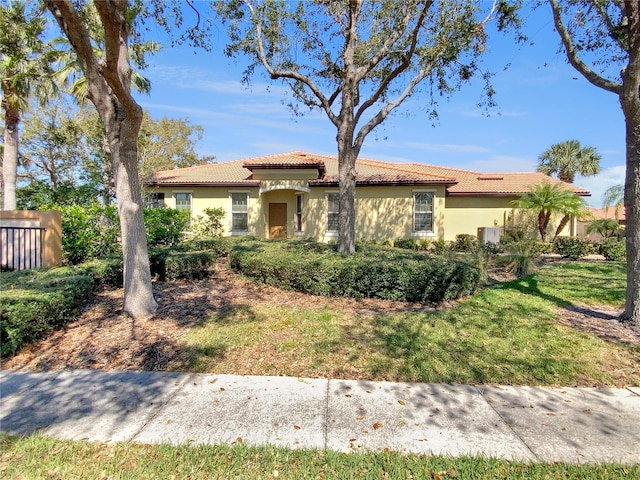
(358, 61)
(566, 159)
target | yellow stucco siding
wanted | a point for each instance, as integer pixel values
(464, 215)
(218, 197)
(382, 213)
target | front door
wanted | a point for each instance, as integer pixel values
(277, 220)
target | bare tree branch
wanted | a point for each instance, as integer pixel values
(275, 73)
(574, 58)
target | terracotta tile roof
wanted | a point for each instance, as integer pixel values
(227, 173)
(474, 183)
(368, 172)
(600, 213)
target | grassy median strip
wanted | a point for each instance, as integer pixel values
(40, 457)
(506, 334)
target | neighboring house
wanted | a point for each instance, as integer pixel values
(296, 195)
(599, 214)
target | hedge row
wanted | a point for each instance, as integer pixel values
(35, 302)
(373, 272)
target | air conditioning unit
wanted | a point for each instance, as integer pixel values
(489, 234)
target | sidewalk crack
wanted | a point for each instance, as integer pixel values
(507, 424)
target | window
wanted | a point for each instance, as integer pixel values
(155, 200)
(333, 209)
(298, 213)
(423, 211)
(183, 201)
(239, 212)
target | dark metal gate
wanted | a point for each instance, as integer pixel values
(21, 247)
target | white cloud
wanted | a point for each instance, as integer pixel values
(599, 183)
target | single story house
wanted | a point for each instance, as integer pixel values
(296, 195)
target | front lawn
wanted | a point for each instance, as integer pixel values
(507, 334)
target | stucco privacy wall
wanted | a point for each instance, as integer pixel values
(51, 221)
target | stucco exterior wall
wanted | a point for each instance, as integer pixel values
(218, 197)
(51, 220)
(382, 213)
(464, 215)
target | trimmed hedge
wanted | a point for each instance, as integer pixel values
(371, 272)
(573, 247)
(35, 304)
(613, 249)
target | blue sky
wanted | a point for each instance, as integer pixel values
(541, 101)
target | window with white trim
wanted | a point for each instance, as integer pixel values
(239, 211)
(423, 212)
(155, 200)
(183, 201)
(299, 213)
(333, 211)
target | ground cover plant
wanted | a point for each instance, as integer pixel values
(40, 457)
(557, 327)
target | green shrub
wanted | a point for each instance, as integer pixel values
(572, 247)
(371, 272)
(520, 257)
(613, 249)
(37, 303)
(465, 243)
(106, 272)
(208, 225)
(191, 265)
(545, 248)
(89, 232)
(406, 243)
(165, 226)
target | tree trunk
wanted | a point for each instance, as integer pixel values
(347, 155)
(561, 225)
(10, 158)
(630, 101)
(138, 293)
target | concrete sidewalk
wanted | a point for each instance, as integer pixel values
(579, 425)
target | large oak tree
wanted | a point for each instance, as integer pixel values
(108, 85)
(357, 61)
(602, 42)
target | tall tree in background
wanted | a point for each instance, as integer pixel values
(602, 42)
(168, 143)
(569, 158)
(25, 70)
(359, 60)
(108, 85)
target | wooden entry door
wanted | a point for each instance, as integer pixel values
(277, 220)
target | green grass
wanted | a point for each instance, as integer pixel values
(507, 334)
(39, 457)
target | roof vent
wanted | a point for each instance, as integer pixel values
(490, 177)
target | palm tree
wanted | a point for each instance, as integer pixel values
(546, 199)
(614, 195)
(568, 158)
(574, 206)
(25, 70)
